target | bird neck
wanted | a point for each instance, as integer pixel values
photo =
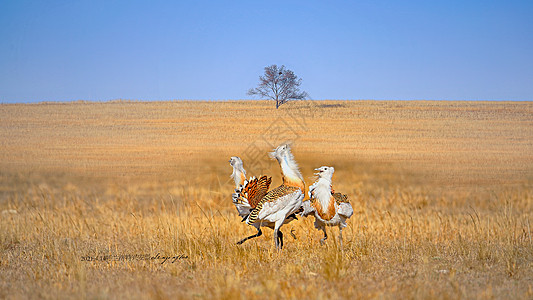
(239, 176)
(325, 204)
(290, 174)
(324, 182)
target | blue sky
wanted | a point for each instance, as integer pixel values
(216, 50)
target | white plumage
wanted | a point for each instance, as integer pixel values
(286, 200)
(279, 205)
(239, 176)
(329, 209)
(280, 209)
(270, 212)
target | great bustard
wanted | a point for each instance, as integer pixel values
(279, 205)
(329, 209)
(248, 194)
(239, 175)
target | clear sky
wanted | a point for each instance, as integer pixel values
(216, 50)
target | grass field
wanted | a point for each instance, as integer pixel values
(132, 200)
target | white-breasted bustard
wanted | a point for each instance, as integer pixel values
(329, 209)
(280, 204)
(239, 176)
(248, 193)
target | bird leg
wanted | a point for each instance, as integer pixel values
(323, 240)
(244, 218)
(280, 237)
(259, 233)
(276, 239)
(340, 236)
(293, 235)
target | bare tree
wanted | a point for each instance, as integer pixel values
(279, 84)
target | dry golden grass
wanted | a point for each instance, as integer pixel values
(442, 193)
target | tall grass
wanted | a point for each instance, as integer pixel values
(421, 228)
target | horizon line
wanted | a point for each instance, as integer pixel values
(228, 100)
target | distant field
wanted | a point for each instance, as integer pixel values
(442, 193)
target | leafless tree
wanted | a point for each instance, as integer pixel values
(279, 84)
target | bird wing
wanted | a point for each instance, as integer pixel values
(340, 198)
(255, 190)
(308, 209)
(344, 208)
(272, 196)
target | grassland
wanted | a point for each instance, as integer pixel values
(442, 193)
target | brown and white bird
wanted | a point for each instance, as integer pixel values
(239, 176)
(279, 205)
(329, 209)
(248, 193)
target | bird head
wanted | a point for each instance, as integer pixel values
(281, 151)
(235, 162)
(325, 172)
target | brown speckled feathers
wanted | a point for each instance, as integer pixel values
(256, 189)
(340, 198)
(273, 195)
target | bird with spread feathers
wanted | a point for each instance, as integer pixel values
(248, 193)
(329, 208)
(275, 207)
(239, 176)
